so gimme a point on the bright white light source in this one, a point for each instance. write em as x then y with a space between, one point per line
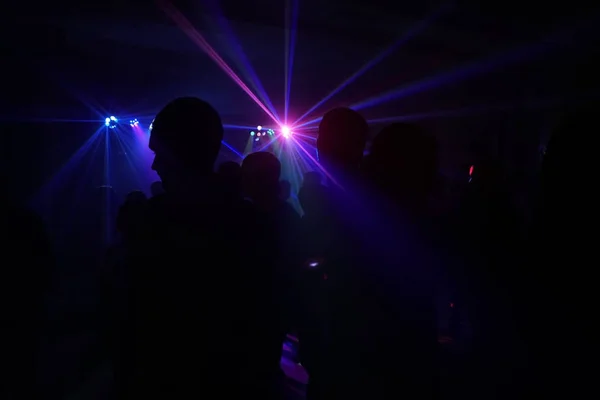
285 131
111 122
258 128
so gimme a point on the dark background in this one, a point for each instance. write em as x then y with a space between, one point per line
63 59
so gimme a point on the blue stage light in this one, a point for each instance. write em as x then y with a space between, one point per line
111 122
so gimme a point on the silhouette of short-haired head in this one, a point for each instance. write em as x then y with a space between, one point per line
313 200
156 188
260 175
186 138
403 161
342 138
285 190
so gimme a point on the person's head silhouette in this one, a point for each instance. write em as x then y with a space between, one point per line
260 176
342 139
186 138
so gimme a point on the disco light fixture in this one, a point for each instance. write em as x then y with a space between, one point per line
261 132
111 122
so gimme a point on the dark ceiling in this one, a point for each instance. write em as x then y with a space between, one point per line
66 58
128 55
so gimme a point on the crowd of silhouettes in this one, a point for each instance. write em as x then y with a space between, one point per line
203 280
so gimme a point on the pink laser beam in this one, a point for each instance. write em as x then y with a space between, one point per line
197 38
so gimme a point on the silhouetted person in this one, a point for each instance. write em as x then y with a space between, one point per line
156 188
488 236
130 219
332 316
341 141
562 299
94 227
311 195
136 196
117 275
260 173
230 175
198 285
403 165
26 269
285 190
260 176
